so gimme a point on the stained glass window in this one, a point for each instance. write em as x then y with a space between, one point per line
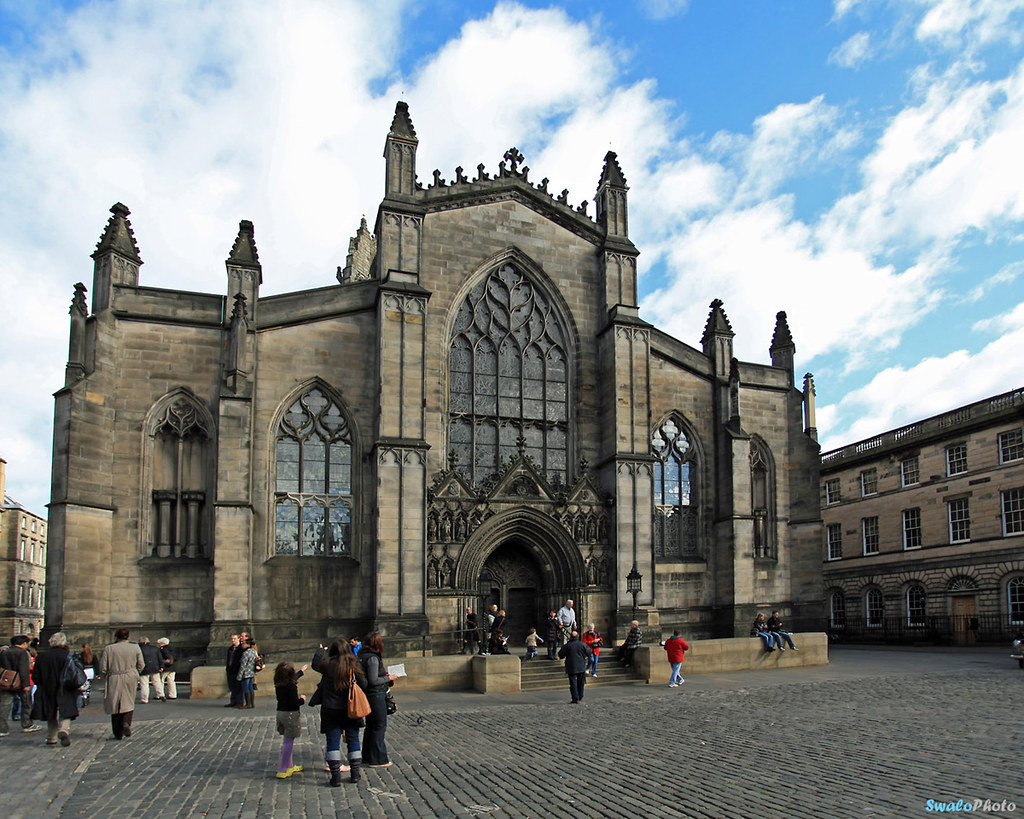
675 513
508 378
313 486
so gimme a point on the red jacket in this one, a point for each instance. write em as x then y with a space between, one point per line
676 648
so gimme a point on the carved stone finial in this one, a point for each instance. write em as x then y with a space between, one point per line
118 235
238 311
481 174
438 181
514 158
78 301
543 186
521 444
460 177
584 466
243 251
453 459
582 208
563 197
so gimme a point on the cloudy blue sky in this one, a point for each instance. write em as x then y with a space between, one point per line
855 163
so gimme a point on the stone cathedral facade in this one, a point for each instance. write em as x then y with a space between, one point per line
475 391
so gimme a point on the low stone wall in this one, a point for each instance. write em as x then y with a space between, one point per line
733 654
500 674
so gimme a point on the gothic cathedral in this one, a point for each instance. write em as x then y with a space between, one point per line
474 412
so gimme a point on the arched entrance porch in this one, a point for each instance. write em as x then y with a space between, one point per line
533 563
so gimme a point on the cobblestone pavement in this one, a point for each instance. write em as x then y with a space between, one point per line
875 733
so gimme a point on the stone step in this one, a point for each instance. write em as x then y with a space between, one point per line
546 675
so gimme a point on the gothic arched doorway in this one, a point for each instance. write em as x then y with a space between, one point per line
534 565
517 587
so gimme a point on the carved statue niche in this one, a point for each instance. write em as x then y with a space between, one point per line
591 529
433 574
432 527
446 528
460 527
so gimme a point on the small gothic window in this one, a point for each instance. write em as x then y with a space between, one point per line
181 453
675 511
761 503
313 483
508 378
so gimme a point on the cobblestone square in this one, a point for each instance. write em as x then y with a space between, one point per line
876 733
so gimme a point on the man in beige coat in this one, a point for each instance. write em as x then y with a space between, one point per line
122 664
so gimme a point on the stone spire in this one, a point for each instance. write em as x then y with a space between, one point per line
116 259
783 349
400 155
362 250
810 424
245 273
118 236
717 339
76 366
612 214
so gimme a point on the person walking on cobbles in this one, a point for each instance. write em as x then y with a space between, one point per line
338 671
122 663
53 702
289 723
760 629
232 662
634 640
551 635
775 627
577 656
167 668
16 658
150 671
676 647
594 641
371 658
247 674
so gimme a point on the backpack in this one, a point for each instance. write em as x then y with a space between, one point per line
73 677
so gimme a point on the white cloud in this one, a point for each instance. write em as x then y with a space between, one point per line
901 395
663 9
970 23
1008 322
854 52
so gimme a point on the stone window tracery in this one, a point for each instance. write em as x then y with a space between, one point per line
181 443
761 502
508 378
313 480
675 511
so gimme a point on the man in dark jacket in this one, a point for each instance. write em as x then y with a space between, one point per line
150 672
232 662
15 658
577 656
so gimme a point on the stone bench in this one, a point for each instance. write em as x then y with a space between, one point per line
500 673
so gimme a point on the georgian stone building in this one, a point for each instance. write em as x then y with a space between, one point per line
475 391
22 566
924 528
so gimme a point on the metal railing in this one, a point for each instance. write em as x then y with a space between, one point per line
942 629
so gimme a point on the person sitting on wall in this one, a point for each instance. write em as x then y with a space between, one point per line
775 627
760 629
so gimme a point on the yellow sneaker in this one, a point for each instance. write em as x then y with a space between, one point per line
296 769
285 774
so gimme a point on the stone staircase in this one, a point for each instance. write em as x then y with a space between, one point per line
542 674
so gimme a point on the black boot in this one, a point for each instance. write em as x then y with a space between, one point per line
335 766
354 764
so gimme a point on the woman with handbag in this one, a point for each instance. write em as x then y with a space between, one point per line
341 697
377 683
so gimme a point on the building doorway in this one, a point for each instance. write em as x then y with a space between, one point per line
519 588
965 620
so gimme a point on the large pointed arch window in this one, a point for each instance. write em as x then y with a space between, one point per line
675 476
313 482
508 378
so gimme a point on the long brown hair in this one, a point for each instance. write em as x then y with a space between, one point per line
374 642
345 664
284 674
